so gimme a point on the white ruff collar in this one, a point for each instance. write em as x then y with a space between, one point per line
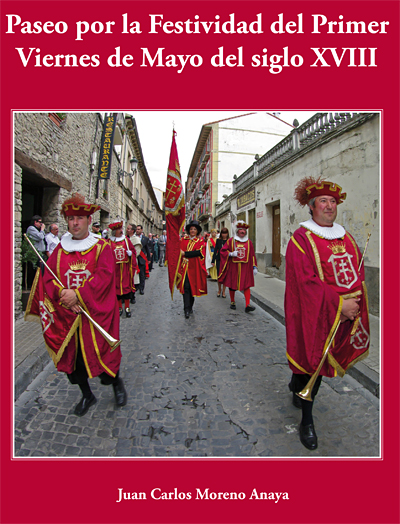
329 233
70 245
244 239
119 239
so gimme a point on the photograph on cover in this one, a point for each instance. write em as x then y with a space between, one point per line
184 280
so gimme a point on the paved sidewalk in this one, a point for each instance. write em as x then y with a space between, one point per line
31 356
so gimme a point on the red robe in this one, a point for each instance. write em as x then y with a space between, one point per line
193 267
237 272
92 274
319 274
126 266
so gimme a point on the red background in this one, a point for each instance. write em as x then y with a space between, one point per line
69 490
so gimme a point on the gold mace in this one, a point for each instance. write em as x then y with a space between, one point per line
305 393
114 343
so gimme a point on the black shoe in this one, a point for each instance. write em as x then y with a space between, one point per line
141 292
120 393
187 313
249 308
128 313
308 437
296 401
233 305
82 407
133 300
120 311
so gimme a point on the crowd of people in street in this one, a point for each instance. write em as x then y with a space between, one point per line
326 303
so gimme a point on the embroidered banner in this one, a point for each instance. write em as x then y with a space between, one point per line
174 213
106 148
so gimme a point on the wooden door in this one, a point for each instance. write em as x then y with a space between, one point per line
276 236
252 228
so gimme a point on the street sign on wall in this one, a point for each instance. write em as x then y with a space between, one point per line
247 198
107 141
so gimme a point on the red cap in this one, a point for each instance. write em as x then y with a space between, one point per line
116 225
309 188
76 206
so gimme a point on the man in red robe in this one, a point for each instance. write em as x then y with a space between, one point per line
238 265
126 266
325 290
85 266
191 279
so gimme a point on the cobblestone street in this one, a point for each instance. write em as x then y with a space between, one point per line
211 386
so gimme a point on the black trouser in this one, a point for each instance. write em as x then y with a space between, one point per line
188 298
142 277
80 375
299 382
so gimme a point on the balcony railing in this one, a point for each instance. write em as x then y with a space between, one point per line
125 179
205 179
312 130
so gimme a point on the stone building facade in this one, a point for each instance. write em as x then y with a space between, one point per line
225 148
341 147
139 203
57 154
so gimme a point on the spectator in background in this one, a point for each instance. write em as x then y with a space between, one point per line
96 229
36 233
144 258
151 248
155 239
130 230
162 244
52 239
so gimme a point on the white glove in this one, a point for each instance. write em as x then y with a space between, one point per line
129 252
255 271
233 254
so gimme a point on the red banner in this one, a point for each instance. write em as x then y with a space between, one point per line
174 212
58 323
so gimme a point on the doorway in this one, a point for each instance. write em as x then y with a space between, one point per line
276 236
252 226
32 199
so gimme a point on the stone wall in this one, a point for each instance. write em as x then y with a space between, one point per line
58 158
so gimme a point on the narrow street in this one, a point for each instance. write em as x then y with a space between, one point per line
211 386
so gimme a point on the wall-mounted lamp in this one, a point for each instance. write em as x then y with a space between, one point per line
93 160
134 163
